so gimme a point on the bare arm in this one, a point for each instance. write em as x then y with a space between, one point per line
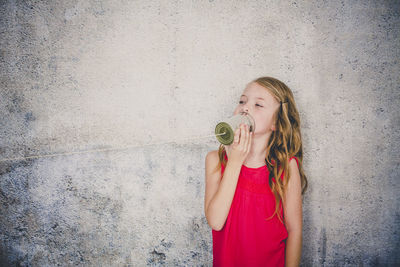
293 217
219 193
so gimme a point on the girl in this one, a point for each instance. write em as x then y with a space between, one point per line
243 203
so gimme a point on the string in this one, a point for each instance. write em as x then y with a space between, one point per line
105 149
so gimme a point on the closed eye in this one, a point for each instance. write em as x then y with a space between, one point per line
241 102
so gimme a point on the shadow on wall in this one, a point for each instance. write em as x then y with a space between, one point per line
11 257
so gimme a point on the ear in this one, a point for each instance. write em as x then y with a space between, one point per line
273 128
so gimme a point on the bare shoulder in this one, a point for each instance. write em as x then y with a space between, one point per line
294 163
213 154
294 171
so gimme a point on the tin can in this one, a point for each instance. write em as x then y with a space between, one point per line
225 130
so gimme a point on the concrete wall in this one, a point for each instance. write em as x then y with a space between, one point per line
79 75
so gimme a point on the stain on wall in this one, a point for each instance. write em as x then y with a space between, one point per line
92 75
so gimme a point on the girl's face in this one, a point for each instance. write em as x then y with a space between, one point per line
257 101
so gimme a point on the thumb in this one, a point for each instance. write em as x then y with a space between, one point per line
236 137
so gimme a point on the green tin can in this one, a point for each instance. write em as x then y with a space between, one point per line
225 130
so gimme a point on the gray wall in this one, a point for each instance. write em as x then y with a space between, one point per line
81 75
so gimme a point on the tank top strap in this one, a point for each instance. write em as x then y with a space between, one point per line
294 157
297 161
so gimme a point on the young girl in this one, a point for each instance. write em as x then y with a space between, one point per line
243 203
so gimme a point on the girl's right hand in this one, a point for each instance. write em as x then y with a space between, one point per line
240 148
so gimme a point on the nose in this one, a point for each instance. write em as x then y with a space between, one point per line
245 108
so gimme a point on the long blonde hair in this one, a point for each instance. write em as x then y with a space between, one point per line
285 142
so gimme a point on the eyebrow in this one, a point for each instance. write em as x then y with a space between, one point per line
257 97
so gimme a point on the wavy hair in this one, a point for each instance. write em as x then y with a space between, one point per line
285 142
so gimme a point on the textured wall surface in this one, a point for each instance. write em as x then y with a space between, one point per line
79 75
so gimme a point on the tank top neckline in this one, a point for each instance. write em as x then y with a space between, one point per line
249 168
254 169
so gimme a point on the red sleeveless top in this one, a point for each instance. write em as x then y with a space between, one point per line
247 238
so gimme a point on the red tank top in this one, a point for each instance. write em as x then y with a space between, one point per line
247 238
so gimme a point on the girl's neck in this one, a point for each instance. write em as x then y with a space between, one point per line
258 151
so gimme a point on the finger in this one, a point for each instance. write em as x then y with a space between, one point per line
236 137
250 141
248 138
242 135
246 143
